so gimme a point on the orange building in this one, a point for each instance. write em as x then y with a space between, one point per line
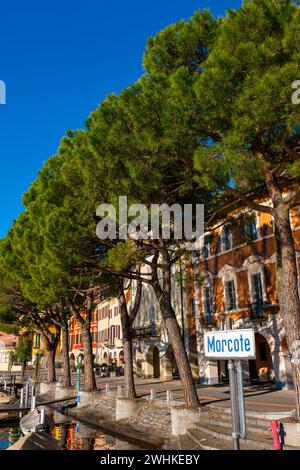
75 338
235 277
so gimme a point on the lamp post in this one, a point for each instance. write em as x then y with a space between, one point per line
78 379
181 302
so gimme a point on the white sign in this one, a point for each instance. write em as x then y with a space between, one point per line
231 344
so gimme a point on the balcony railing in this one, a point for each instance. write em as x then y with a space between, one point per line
145 332
257 310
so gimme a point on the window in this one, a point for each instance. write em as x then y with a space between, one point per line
226 238
37 341
230 296
207 300
193 307
250 227
257 288
206 249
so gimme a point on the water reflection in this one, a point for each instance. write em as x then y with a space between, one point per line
77 436
8 436
71 436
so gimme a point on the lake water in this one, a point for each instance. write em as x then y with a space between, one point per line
71 435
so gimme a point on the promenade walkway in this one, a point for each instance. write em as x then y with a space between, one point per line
257 398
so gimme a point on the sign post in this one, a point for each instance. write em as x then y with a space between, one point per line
233 345
78 379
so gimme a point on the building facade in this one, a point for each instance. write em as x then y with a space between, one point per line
106 335
109 333
75 339
8 344
235 277
152 351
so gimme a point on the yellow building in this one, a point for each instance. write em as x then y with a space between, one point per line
39 347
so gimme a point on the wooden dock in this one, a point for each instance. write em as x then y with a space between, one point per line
15 407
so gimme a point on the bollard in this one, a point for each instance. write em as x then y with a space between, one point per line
152 394
169 396
42 416
119 391
106 388
5 385
274 428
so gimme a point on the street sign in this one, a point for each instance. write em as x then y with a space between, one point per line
230 344
233 345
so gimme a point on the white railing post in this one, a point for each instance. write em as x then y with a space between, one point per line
42 416
32 408
22 398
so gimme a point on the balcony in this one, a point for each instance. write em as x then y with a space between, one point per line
257 310
145 332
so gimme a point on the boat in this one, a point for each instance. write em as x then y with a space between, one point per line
36 421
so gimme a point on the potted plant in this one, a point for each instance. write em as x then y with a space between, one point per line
112 369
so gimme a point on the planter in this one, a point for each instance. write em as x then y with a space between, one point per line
292 434
183 418
125 408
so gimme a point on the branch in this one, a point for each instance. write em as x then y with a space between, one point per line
291 199
76 313
244 198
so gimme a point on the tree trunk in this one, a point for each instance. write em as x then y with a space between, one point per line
287 284
65 355
169 317
180 354
127 319
89 375
127 345
129 379
50 354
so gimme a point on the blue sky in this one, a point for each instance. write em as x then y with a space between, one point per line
59 59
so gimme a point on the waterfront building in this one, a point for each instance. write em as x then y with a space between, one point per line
235 276
39 347
8 343
152 351
106 335
109 333
75 339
